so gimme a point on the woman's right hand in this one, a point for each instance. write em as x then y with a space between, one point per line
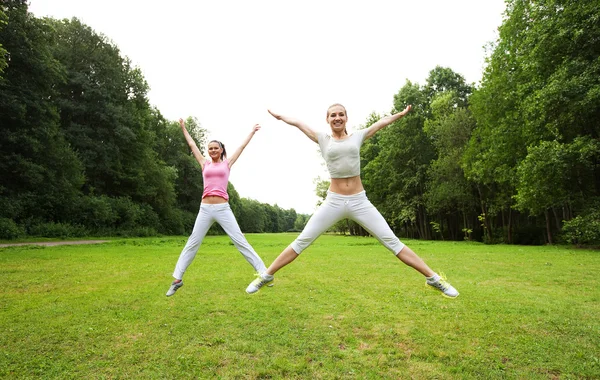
275 115
296 123
181 123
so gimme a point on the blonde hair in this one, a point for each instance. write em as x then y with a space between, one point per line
335 105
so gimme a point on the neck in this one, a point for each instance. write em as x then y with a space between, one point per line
338 135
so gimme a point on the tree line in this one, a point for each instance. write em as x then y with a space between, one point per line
515 159
83 152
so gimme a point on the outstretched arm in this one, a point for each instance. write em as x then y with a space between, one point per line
195 151
239 150
298 124
384 122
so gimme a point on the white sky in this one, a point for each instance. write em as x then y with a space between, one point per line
227 62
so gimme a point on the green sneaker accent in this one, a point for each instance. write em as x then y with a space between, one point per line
260 281
443 286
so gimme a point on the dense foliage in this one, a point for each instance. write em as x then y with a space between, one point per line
515 158
83 152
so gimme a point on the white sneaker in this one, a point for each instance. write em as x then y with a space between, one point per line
443 286
174 287
260 281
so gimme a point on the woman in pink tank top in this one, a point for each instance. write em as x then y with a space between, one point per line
214 206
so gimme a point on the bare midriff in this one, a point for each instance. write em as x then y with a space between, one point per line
346 186
213 200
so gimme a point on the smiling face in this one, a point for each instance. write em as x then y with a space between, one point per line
337 118
215 150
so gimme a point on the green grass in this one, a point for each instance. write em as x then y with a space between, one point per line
347 308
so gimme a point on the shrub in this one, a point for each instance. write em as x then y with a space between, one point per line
172 222
57 230
96 212
10 230
189 219
149 217
129 214
137 232
583 229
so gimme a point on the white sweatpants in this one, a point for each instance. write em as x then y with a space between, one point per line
208 215
356 207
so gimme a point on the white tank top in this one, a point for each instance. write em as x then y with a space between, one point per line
342 156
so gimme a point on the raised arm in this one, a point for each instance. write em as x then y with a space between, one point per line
298 124
239 150
385 121
195 151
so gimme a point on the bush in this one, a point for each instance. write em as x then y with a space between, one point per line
137 232
583 229
116 216
129 214
57 230
189 219
149 217
172 222
96 212
9 230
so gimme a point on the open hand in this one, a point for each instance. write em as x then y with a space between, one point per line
275 115
406 110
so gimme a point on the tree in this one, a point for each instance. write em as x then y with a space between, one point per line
556 175
40 175
252 217
444 79
106 117
3 52
541 84
175 152
449 195
300 222
395 178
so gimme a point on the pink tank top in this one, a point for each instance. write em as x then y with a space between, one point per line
216 177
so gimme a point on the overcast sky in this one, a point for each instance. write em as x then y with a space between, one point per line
227 62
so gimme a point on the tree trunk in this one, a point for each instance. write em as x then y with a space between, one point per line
510 237
556 219
486 222
426 227
549 233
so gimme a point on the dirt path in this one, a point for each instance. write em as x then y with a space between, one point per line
52 243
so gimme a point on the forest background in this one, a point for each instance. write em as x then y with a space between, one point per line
513 159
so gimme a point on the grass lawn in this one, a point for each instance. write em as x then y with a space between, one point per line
347 308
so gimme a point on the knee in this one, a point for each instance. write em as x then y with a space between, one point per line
299 245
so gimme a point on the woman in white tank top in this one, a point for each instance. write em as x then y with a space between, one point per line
346 198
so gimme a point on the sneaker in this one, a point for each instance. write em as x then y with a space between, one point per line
174 287
443 286
260 281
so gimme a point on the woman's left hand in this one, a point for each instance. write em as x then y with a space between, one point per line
406 110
